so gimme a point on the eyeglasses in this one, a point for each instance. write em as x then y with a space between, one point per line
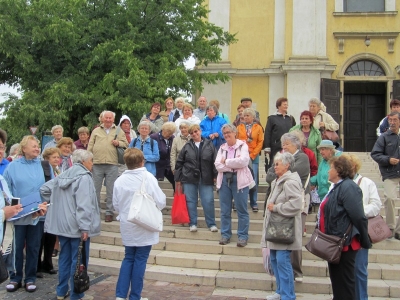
194 131
227 132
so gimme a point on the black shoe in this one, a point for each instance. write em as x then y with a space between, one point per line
51 272
39 274
397 236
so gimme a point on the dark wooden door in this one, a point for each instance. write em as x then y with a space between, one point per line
396 90
330 96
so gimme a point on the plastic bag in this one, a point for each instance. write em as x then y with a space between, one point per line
267 261
179 212
314 197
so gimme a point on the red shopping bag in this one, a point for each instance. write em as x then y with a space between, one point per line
179 212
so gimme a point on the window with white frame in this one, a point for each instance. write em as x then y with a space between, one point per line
363 5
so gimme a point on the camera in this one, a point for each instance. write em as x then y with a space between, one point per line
15 201
196 173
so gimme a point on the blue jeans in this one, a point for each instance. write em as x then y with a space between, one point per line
132 271
280 261
226 194
192 191
253 192
67 265
28 236
361 274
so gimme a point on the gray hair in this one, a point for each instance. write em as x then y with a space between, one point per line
316 101
145 123
300 135
229 127
249 111
292 138
213 107
109 111
185 123
179 99
80 156
14 149
169 126
56 127
286 158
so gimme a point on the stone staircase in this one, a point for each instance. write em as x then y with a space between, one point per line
197 258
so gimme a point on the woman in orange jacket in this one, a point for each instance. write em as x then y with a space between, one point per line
253 134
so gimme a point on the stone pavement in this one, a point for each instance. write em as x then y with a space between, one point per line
103 288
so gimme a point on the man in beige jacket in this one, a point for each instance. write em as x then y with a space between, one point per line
102 144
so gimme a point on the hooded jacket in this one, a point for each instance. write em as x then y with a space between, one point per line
74 208
214 125
132 132
286 195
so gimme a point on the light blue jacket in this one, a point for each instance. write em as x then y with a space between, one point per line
150 157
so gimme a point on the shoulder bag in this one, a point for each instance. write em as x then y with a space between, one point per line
120 150
144 211
328 134
279 229
328 247
377 227
81 277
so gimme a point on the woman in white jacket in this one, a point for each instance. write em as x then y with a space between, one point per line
372 205
136 239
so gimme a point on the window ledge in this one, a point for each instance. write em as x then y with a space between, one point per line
372 14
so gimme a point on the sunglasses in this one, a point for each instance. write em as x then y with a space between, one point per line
194 131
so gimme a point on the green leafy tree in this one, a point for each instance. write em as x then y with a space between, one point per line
75 58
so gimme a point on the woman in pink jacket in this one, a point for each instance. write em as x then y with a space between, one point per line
233 182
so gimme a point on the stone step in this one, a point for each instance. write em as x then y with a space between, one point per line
242 280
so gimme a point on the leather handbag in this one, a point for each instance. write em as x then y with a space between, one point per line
120 150
144 211
280 230
378 229
328 134
328 247
81 277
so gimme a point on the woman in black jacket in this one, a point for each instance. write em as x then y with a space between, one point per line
341 208
195 169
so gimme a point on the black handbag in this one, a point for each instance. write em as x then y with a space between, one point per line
280 231
81 278
3 269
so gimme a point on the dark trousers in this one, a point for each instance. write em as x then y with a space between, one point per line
46 247
342 276
170 177
272 155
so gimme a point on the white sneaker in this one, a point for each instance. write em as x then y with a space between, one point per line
119 298
214 229
275 296
141 298
298 279
193 228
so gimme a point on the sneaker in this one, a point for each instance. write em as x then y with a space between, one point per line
241 243
224 241
298 279
255 209
193 228
305 232
275 296
213 228
141 298
119 298
397 236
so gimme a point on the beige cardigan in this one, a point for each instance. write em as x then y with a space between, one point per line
176 147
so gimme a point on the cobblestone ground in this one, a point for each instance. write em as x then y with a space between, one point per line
103 288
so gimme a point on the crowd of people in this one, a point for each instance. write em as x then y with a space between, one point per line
195 150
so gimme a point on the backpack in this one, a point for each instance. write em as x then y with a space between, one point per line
151 144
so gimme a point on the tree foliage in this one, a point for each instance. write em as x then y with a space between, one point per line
75 58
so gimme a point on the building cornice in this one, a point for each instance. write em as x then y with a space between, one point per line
389 35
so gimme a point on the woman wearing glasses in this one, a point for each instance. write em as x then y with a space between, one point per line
195 169
233 182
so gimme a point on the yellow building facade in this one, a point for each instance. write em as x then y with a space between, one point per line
345 52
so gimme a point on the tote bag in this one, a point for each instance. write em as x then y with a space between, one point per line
179 212
144 211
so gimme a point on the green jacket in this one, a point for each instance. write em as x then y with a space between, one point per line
313 141
321 179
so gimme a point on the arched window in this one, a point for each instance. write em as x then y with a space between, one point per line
364 68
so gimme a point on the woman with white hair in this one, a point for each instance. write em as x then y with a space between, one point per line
177 112
73 216
57 132
321 117
148 146
14 150
284 203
